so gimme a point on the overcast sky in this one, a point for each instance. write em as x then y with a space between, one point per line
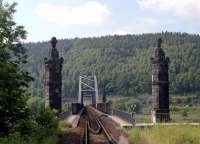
84 18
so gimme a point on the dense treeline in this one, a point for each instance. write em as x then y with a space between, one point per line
121 63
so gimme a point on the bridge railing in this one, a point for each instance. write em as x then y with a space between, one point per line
175 117
65 114
129 117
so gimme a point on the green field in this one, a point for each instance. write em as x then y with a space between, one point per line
165 135
190 115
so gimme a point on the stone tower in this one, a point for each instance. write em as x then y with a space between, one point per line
53 78
160 85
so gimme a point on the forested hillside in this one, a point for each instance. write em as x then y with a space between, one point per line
121 63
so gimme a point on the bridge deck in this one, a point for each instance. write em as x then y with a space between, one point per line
121 122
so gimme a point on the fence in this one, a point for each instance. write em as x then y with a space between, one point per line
65 114
175 117
129 117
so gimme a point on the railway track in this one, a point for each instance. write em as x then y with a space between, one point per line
97 128
100 136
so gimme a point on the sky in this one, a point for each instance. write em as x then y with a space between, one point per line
87 18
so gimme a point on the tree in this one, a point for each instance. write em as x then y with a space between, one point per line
13 78
121 63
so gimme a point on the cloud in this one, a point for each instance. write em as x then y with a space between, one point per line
88 14
139 26
121 32
183 8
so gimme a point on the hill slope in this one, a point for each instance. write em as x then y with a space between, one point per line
121 63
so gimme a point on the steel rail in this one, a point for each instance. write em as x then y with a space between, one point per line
86 134
79 115
92 130
111 139
101 127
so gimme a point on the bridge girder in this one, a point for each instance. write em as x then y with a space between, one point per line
88 90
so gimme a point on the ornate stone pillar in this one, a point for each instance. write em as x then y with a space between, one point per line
53 78
160 85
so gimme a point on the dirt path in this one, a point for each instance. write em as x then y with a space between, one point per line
72 136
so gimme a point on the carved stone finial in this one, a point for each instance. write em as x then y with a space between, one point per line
53 42
159 42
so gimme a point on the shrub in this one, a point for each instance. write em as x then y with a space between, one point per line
41 128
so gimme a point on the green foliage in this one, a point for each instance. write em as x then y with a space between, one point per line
66 106
12 139
36 104
20 123
48 121
121 63
42 128
63 125
185 114
13 78
47 125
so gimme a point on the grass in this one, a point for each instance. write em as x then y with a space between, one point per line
63 125
165 135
